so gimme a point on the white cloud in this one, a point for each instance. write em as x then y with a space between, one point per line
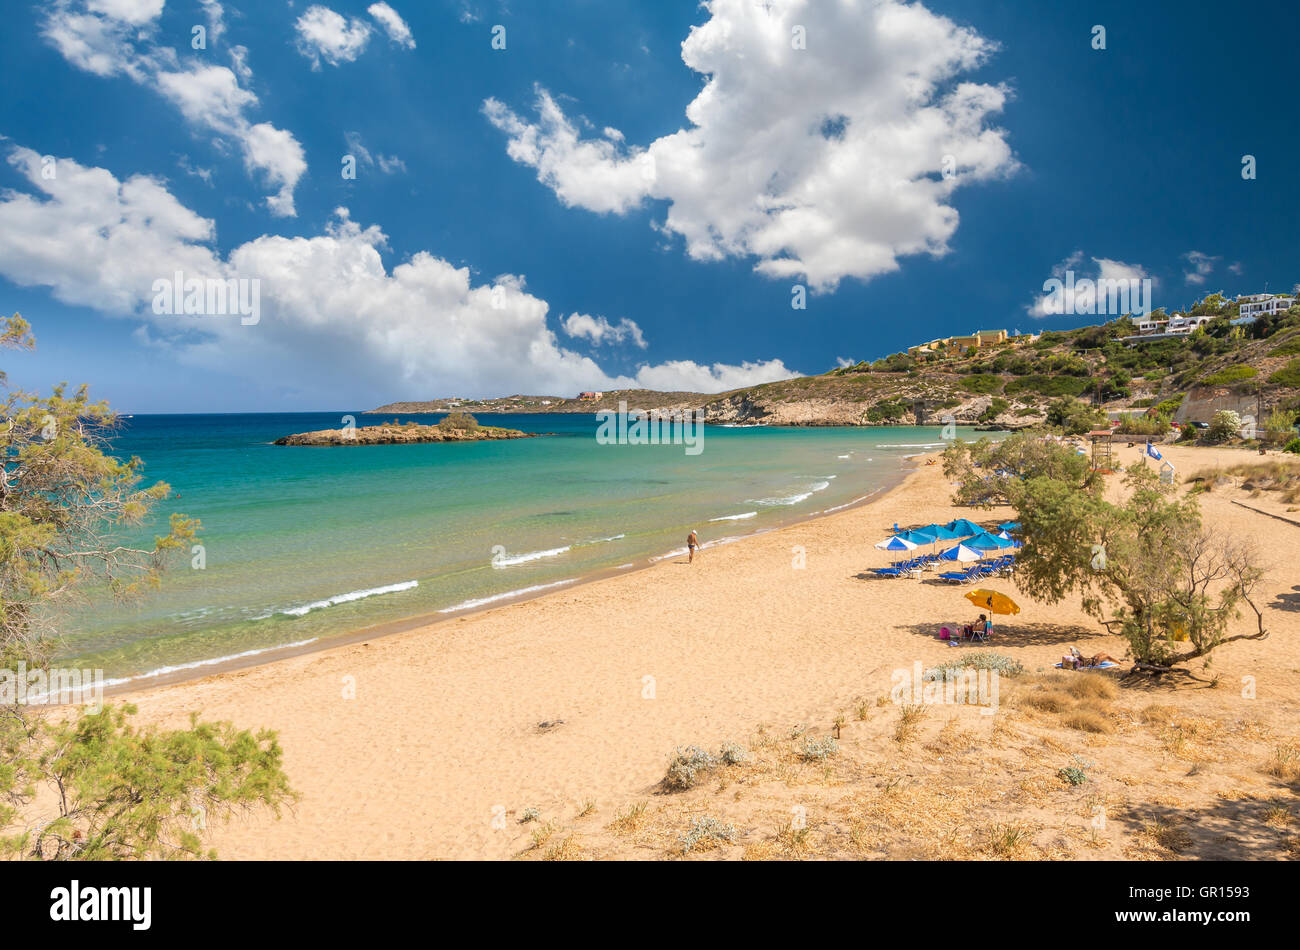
689 376
326 35
825 162
599 330
388 164
1079 295
330 308
239 62
393 24
1202 266
216 19
134 12
112 37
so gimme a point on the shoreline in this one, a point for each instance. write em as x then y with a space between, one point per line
220 666
423 744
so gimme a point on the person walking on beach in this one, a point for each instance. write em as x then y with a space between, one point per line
692 542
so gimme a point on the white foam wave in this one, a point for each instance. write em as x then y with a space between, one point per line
480 601
530 556
346 598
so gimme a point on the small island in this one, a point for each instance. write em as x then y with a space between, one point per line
456 427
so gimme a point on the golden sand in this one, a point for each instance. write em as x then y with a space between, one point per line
427 743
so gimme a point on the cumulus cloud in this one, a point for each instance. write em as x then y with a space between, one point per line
599 330
329 36
823 162
1202 266
1072 288
330 309
393 24
115 37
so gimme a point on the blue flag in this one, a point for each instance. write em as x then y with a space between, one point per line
1153 451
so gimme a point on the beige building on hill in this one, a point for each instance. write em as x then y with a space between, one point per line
958 344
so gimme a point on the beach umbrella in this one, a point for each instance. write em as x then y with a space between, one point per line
961 553
1008 541
992 601
964 528
1009 526
984 542
896 543
918 536
941 532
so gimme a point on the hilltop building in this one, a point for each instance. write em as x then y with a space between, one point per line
957 344
1259 305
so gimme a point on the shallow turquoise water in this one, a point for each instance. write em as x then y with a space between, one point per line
304 543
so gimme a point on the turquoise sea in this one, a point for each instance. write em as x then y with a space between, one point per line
301 544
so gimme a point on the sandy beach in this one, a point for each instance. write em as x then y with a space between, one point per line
427 743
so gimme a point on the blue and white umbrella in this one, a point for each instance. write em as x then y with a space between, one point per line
961 553
896 543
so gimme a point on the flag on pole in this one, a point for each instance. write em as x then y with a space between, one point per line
1153 452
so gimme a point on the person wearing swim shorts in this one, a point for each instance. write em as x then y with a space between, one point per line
692 542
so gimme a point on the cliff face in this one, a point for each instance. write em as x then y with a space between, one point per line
398 435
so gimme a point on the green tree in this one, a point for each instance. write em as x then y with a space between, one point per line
1144 565
89 785
458 420
984 471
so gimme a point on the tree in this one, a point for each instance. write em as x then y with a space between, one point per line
985 470
63 506
1224 425
120 792
1073 417
1144 565
68 511
458 420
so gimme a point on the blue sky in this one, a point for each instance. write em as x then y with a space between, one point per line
609 236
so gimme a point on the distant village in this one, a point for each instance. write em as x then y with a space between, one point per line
1250 308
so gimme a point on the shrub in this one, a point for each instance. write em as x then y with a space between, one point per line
1073 774
1293 446
1225 425
458 420
1229 375
732 753
1004 665
1141 425
995 409
1288 375
687 767
818 750
1047 385
706 833
981 383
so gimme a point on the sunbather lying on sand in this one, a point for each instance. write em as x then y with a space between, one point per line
1078 661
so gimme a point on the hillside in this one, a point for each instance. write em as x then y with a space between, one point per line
1252 369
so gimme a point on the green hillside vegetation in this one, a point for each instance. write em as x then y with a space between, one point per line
1017 383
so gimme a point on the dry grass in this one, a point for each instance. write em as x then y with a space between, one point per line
909 722
566 850
1009 842
1285 763
1086 721
1161 839
629 819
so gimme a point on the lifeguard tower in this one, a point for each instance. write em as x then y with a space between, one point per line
1103 451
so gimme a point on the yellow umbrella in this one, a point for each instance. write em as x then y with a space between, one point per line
992 601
